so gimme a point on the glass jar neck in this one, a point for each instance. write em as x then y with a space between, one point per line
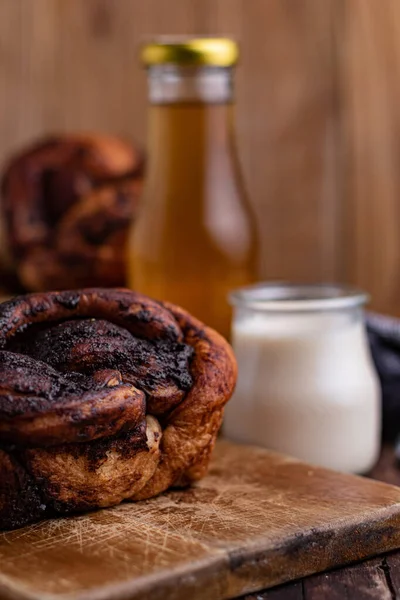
287 298
170 84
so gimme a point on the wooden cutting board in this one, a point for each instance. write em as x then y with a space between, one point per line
258 519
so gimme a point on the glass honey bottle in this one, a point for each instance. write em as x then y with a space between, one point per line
195 238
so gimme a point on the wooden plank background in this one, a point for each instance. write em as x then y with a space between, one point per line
318 112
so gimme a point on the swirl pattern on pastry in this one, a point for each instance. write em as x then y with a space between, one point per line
105 396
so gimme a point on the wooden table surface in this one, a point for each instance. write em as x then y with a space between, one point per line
374 579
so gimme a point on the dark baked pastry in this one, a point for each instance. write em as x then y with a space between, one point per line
105 396
67 203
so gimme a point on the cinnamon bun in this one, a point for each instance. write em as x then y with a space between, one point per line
105 396
67 203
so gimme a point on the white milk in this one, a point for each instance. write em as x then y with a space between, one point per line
306 387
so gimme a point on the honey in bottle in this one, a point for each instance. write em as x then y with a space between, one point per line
194 239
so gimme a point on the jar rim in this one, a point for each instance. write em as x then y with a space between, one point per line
282 296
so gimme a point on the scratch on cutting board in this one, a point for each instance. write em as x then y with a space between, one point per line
170 517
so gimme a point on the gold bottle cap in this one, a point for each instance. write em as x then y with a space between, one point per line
216 52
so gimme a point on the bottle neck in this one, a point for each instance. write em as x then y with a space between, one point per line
175 84
190 122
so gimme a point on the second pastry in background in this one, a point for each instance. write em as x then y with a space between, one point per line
67 202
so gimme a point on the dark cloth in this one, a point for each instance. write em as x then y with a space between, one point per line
384 339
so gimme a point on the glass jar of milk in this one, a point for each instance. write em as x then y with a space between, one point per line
307 385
